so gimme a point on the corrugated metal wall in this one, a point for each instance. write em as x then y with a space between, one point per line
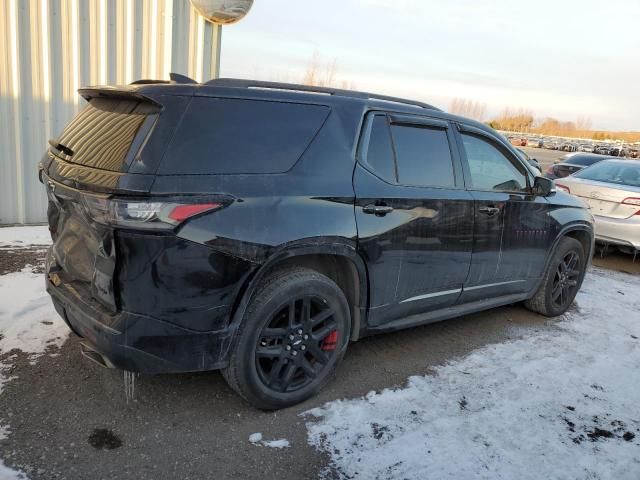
50 48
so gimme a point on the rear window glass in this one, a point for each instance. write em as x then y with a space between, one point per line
618 172
423 156
584 161
101 135
227 136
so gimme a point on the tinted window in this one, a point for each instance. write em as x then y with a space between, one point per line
490 169
423 156
101 135
621 173
220 135
380 151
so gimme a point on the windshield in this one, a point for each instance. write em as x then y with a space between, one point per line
618 172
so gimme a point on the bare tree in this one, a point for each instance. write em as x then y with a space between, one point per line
468 108
325 74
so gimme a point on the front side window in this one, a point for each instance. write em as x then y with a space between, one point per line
490 169
423 156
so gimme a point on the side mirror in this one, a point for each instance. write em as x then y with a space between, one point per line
543 187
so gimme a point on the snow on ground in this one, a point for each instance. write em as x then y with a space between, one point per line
563 404
28 321
22 237
8 474
256 439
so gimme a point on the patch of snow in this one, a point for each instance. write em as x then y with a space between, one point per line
22 237
8 474
282 443
561 403
4 431
256 439
28 321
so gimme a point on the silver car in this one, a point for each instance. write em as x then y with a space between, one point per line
611 188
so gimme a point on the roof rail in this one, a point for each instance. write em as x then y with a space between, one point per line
173 78
294 87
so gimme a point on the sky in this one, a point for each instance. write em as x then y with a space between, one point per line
562 58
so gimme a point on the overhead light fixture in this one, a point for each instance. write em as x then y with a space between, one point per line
222 12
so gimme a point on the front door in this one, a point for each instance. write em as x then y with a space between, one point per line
511 227
414 217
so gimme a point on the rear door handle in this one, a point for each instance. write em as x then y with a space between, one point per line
379 210
490 211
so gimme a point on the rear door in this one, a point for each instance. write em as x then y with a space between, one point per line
511 226
414 217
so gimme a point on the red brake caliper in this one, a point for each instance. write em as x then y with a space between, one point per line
330 341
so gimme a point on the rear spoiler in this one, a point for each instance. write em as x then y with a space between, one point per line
116 92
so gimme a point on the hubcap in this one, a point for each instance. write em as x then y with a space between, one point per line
565 282
297 344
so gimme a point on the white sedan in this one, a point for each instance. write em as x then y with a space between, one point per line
611 188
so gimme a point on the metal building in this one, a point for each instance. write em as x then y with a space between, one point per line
50 48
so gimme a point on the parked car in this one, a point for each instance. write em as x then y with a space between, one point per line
618 151
586 148
602 150
518 141
571 164
569 147
612 190
259 228
531 161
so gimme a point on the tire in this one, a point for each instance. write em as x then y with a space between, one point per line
561 280
280 359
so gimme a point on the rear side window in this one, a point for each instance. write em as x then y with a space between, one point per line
380 152
423 156
101 135
227 136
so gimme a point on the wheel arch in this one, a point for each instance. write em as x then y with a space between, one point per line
583 232
337 260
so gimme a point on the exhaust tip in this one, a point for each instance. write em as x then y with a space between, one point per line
94 356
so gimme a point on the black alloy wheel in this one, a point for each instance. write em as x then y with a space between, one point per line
562 279
565 282
293 334
296 344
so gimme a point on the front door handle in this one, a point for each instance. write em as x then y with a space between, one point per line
490 211
378 210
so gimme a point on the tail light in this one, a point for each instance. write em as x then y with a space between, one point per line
564 188
148 214
632 201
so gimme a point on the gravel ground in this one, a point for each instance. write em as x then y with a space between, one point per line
69 418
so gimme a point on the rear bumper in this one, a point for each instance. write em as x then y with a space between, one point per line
140 343
618 231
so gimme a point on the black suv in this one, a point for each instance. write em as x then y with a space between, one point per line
258 228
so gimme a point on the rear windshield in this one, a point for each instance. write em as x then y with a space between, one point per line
584 161
618 172
227 136
100 136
